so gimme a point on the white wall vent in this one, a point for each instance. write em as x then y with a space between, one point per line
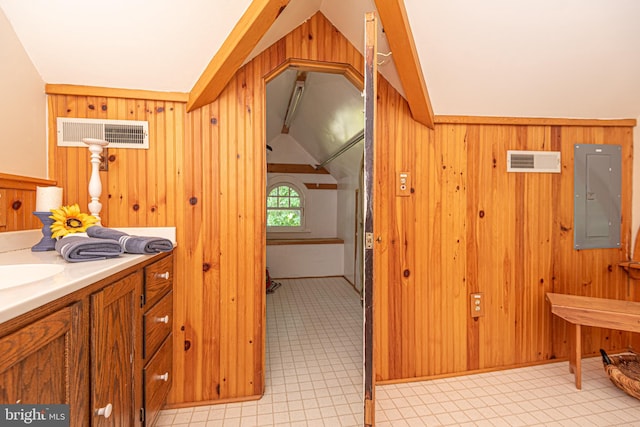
533 161
119 133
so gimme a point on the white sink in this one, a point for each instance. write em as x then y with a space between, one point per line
21 274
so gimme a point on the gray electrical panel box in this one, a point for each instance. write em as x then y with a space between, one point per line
597 196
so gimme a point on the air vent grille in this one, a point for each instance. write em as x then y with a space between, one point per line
522 161
125 134
119 133
533 161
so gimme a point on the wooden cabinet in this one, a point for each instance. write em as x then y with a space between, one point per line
157 349
115 314
45 362
105 350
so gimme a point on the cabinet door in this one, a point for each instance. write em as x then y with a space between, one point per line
115 320
44 363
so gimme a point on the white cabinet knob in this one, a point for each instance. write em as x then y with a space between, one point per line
106 411
163 377
164 275
164 319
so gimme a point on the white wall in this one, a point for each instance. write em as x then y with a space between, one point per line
285 149
347 224
23 122
287 261
320 205
321 220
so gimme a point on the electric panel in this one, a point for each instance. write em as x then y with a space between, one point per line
597 195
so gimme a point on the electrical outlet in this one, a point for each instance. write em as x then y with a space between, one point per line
476 304
403 185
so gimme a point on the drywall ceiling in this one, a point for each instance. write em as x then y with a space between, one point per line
544 58
330 113
554 58
162 45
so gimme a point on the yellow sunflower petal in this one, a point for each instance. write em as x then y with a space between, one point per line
74 210
69 219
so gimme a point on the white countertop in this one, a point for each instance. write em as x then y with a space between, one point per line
15 248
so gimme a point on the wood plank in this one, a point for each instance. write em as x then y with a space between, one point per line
4 203
18 182
370 250
398 32
532 121
631 267
255 309
77 90
599 312
319 186
347 70
253 24
294 168
314 241
211 252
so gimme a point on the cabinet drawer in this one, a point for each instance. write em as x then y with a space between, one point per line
157 325
157 377
158 278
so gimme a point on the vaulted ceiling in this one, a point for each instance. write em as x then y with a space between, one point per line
567 58
542 58
328 119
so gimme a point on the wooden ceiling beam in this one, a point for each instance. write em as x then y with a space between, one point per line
396 27
255 22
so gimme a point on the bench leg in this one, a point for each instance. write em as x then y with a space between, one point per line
575 353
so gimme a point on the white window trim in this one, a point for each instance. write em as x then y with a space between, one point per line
300 188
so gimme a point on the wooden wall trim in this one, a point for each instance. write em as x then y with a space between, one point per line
347 70
18 182
318 186
398 31
255 22
310 241
58 89
532 121
294 168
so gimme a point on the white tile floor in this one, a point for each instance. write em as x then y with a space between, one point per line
314 378
314 362
542 395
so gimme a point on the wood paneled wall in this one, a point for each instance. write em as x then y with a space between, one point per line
204 173
472 227
18 201
468 227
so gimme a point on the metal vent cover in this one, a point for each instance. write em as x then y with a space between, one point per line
533 161
119 133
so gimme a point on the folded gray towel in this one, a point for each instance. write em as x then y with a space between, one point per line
132 244
80 248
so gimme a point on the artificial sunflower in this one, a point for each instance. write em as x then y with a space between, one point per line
69 219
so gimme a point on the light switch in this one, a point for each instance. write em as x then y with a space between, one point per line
403 185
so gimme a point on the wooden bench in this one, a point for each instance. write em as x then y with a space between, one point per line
588 311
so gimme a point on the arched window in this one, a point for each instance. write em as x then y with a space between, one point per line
285 207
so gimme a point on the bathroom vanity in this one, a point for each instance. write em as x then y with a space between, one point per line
97 336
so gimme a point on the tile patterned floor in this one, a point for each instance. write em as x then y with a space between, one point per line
314 378
542 395
314 362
